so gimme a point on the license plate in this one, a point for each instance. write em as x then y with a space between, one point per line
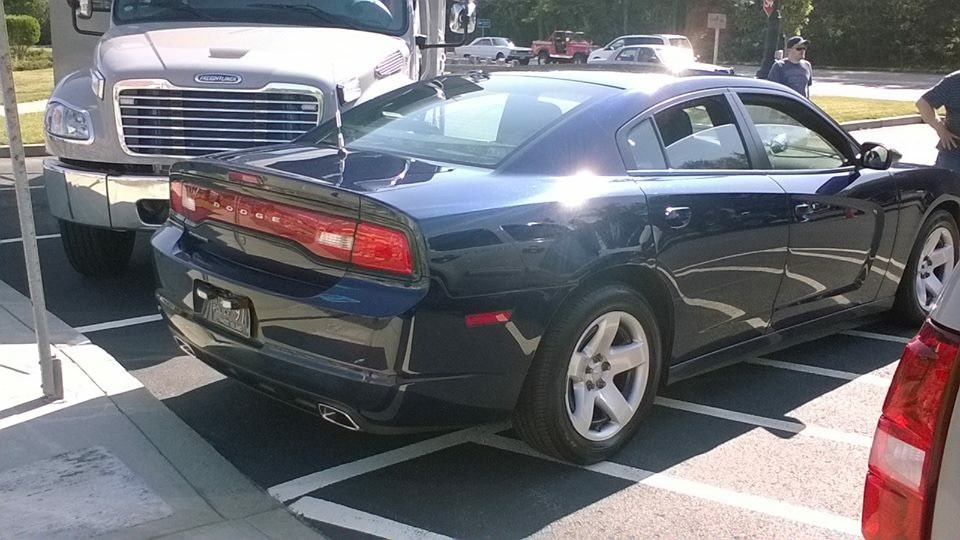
225 310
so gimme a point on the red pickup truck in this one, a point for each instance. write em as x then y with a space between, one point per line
563 46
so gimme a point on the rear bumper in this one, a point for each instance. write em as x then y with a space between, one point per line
99 199
388 373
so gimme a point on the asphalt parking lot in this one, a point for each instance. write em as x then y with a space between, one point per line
773 447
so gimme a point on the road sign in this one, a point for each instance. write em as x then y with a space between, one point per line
484 24
768 7
717 21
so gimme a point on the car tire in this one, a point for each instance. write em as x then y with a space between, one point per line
96 252
564 410
500 57
525 62
927 267
543 57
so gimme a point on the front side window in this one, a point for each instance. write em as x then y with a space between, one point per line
627 55
500 42
791 134
384 16
702 135
464 120
644 41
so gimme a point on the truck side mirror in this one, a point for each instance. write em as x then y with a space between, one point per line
463 17
83 9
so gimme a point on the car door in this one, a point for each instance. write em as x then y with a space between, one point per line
721 228
844 217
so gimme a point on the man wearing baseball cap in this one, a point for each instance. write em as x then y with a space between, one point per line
794 71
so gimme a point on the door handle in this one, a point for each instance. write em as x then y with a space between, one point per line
804 211
677 217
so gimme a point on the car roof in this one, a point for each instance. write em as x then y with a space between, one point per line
648 83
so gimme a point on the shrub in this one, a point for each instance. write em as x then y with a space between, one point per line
24 32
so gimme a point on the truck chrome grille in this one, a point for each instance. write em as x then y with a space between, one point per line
187 123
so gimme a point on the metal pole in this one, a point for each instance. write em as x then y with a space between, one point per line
716 44
771 41
50 373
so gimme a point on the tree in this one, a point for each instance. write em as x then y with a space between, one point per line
38 9
796 15
24 32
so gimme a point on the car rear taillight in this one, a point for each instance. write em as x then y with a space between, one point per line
908 445
337 238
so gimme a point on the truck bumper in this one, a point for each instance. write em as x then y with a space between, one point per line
106 200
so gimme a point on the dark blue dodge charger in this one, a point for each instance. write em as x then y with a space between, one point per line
553 246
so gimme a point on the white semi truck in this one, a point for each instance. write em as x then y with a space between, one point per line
142 84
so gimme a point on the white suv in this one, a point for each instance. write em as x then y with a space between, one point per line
669 40
913 483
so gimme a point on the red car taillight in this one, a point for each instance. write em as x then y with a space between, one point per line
908 446
332 237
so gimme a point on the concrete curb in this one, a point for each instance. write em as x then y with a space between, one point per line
231 495
883 122
31 150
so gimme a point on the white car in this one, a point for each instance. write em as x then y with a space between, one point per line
669 40
670 59
494 48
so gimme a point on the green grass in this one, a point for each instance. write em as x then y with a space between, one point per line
844 109
31 126
33 85
36 58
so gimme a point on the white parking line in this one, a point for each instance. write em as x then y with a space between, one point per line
18 240
874 335
770 423
762 505
312 482
348 518
875 380
118 324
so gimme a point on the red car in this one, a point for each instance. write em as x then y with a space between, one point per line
563 46
913 484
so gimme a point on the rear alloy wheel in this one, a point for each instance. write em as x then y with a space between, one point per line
607 376
930 266
594 378
96 252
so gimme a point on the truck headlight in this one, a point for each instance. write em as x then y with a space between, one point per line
66 122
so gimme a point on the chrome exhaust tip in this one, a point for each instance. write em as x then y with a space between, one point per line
337 417
185 347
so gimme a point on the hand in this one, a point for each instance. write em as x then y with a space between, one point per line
948 140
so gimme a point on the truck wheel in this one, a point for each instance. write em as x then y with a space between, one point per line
543 57
96 252
594 377
579 59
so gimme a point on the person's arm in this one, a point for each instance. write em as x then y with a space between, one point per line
948 140
775 74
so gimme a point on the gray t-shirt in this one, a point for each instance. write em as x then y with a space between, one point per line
797 76
947 94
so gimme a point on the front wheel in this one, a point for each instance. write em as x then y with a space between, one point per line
96 252
594 377
579 59
932 262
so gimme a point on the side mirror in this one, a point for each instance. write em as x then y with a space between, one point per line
779 144
463 17
876 156
82 8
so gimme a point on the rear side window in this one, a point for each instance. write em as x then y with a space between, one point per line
645 148
702 135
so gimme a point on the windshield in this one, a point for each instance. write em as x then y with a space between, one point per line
681 42
469 121
385 16
676 55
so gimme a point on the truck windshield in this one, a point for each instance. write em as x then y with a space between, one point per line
474 121
384 16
